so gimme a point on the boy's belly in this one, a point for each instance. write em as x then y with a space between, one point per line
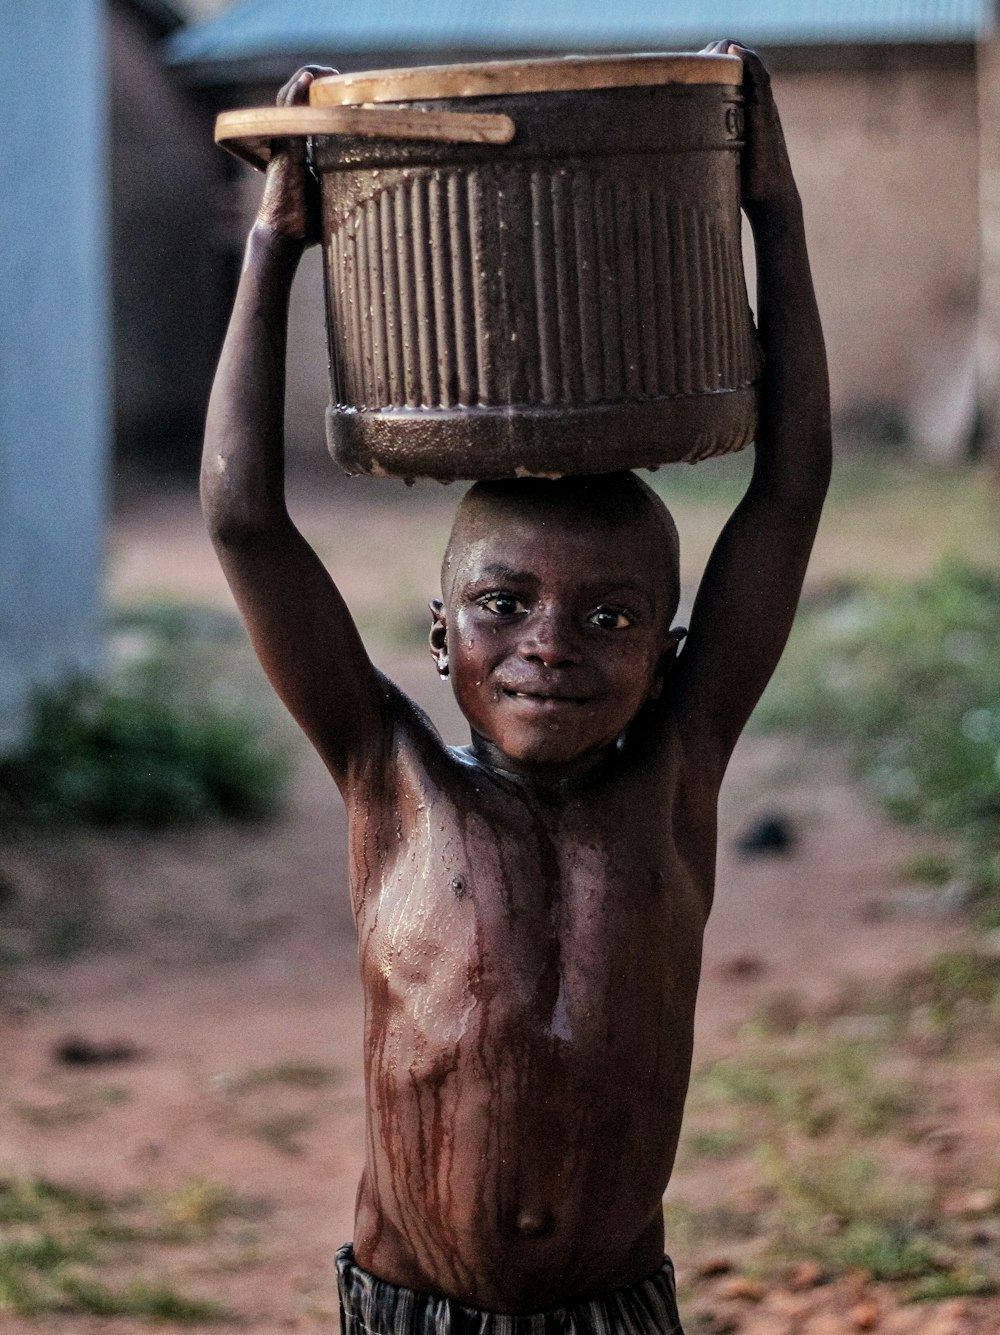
520 1159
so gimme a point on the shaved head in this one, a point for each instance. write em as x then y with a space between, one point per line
607 501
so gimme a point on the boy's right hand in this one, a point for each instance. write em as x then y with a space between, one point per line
290 206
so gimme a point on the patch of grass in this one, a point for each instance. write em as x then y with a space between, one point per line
277 1104
43 1251
891 1252
782 1013
928 869
33 1200
957 1283
813 1089
953 996
294 1074
715 1142
846 1212
55 1239
688 1228
69 926
282 1131
957 993
199 1206
81 1107
907 677
829 1201
960 975
163 737
789 1111
159 1302
869 1101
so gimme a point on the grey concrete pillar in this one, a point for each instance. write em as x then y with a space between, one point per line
54 345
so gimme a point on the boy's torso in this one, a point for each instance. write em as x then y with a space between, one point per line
530 963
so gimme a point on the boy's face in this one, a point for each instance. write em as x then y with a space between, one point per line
555 635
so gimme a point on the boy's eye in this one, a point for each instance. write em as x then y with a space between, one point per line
502 604
610 618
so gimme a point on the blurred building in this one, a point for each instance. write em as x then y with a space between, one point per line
172 274
880 103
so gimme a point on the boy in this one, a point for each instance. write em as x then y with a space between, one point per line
530 908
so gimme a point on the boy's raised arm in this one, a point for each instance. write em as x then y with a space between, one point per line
299 624
748 595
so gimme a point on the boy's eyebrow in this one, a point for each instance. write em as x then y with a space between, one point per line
502 572
499 573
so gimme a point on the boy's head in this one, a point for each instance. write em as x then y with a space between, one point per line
555 623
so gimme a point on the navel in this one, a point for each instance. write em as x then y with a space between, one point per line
536 1223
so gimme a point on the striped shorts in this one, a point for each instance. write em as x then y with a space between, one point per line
370 1306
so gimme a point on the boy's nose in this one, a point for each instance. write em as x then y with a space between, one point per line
550 639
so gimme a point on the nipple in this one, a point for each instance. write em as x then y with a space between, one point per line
536 1223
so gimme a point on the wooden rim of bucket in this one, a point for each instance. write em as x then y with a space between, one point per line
497 77
248 133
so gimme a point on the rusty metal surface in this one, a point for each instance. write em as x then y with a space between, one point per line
481 442
573 301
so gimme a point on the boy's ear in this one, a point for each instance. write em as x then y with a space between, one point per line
439 636
665 666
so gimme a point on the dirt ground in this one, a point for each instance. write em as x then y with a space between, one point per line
226 971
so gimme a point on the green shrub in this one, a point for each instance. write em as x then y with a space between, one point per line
153 745
908 677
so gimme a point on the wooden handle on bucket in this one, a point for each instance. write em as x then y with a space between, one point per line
249 133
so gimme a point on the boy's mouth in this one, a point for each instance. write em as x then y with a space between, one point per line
543 698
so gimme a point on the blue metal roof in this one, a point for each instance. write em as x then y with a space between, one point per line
261 28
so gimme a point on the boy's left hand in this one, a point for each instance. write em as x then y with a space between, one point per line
767 173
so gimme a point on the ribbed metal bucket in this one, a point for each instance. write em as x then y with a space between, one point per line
572 301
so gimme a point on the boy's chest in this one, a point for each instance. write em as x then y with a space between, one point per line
547 906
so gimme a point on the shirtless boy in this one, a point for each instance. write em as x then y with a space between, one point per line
530 908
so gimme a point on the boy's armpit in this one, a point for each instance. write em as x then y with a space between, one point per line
395 757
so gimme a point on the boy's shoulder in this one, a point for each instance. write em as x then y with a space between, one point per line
410 752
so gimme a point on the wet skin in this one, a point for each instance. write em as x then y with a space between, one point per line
530 909
530 935
530 963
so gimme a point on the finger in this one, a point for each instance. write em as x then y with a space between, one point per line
755 73
727 47
296 90
286 89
